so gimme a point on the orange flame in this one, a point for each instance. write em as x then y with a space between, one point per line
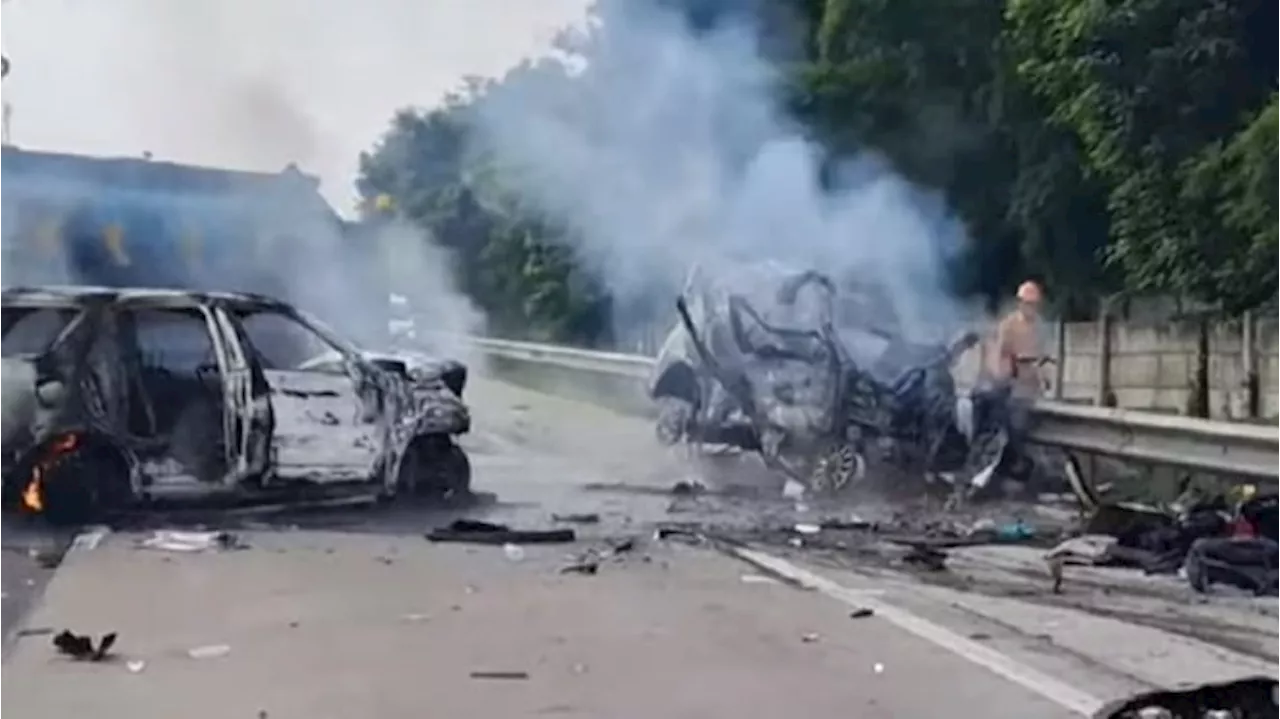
32 496
33 493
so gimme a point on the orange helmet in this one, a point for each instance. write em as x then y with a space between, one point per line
1029 291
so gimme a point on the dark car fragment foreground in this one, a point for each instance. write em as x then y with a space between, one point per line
114 397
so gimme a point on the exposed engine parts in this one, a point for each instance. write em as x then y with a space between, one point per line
761 362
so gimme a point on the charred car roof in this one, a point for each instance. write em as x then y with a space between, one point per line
85 296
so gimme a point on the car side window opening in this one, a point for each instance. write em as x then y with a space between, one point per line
175 363
282 342
29 332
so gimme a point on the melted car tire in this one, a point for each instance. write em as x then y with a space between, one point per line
435 468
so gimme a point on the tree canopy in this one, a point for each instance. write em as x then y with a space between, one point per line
1102 146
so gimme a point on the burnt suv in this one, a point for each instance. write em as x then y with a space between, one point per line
115 397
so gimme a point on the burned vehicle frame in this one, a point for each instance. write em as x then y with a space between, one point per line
114 397
789 388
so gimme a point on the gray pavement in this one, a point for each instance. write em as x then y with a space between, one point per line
358 615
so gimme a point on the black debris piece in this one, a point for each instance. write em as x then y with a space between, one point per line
499 675
582 518
684 533
477 532
1249 698
623 546
687 489
926 557
35 632
586 566
862 613
81 647
1246 563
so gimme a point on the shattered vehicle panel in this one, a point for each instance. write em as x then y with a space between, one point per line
759 363
147 394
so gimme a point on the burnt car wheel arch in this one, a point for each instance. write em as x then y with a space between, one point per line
71 478
433 466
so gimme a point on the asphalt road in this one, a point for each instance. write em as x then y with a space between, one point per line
356 614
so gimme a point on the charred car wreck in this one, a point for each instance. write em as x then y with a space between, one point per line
118 396
775 374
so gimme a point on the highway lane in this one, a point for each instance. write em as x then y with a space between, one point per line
357 615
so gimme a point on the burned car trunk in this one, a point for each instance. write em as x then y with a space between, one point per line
757 362
117 396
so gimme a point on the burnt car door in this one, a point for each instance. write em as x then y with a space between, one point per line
327 420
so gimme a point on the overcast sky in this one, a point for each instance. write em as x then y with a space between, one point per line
252 84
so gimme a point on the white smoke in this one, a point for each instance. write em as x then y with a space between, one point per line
662 147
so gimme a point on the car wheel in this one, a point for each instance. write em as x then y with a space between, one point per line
836 469
84 485
674 417
435 468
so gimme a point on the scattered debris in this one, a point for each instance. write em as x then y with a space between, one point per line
477 532
135 666
581 518
809 529
415 617
385 560
682 533
792 489
35 632
499 675
1250 697
980 637
623 546
809 637
925 557
688 489
170 540
1245 563
583 566
89 539
513 552
81 647
878 668
1055 572
862 613
758 579
209 651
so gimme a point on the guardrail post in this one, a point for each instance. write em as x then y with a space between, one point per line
1059 360
1104 397
1249 362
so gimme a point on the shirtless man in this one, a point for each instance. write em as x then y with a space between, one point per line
1016 357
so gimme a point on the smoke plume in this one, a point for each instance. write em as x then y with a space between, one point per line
662 145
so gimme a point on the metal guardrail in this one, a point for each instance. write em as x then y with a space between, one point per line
1243 450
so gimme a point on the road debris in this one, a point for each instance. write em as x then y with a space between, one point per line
809 529
171 540
758 579
809 637
209 651
478 532
1249 697
513 552
135 666
89 539
878 668
499 675
81 646
35 632
579 518
582 566
862 613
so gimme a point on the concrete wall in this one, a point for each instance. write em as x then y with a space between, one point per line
1152 366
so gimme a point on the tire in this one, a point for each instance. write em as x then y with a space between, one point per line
674 417
435 468
85 485
836 469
